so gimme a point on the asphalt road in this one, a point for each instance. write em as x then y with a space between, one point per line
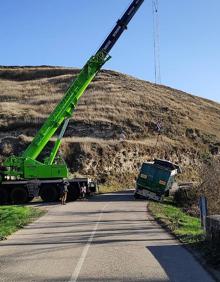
108 238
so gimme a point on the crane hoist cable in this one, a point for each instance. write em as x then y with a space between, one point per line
156 38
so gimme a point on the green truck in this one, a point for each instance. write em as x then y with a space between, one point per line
155 179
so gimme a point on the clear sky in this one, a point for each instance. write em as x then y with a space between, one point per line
68 32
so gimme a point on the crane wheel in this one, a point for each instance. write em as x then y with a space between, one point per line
49 194
3 196
19 195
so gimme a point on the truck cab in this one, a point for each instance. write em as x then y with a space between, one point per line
155 179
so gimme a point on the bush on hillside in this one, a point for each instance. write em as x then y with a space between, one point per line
210 186
187 196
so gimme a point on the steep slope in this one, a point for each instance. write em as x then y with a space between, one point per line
113 103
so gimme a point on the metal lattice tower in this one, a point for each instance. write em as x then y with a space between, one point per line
156 38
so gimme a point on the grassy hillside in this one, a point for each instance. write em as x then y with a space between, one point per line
112 103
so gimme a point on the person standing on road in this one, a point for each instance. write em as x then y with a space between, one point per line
83 191
64 191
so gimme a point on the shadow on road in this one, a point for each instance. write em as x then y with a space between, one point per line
120 196
178 263
113 197
80 241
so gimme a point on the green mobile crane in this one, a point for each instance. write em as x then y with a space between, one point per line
24 177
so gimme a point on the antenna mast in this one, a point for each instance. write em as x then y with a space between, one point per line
156 36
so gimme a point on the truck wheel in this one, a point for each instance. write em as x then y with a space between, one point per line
19 195
73 193
136 196
49 194
30 199
3 196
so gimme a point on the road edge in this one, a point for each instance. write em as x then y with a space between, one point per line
214 274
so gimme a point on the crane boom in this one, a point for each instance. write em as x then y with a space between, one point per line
26 165
120 26
66 106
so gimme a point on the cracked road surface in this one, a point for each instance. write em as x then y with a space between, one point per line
111 237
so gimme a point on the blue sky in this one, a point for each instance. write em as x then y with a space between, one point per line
68 32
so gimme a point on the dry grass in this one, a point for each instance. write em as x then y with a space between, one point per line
113 102
111 98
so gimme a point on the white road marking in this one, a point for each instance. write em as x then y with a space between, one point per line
81 260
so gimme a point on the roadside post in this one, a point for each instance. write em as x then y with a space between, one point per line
203 211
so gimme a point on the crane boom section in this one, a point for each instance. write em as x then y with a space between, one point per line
120 26
66 106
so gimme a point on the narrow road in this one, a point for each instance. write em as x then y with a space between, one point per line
108 238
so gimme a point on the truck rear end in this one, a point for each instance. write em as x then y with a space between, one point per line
155 179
